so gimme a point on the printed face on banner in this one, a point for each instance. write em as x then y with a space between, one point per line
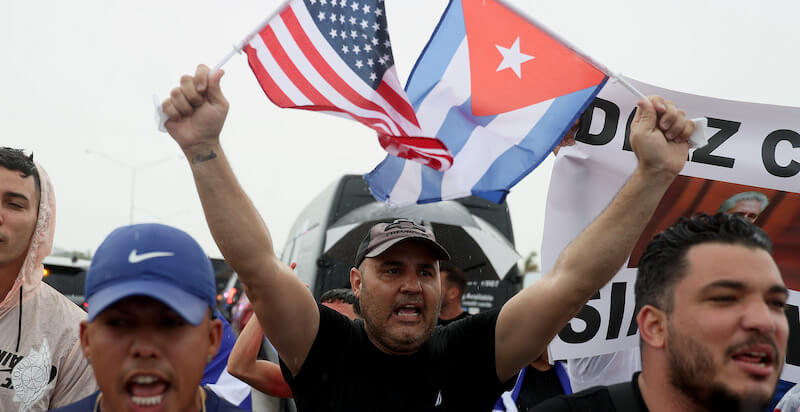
746 208
780 218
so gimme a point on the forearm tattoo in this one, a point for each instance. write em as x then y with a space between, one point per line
202 158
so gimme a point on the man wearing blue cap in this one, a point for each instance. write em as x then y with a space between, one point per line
150 329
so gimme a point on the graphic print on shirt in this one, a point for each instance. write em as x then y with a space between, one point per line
31 375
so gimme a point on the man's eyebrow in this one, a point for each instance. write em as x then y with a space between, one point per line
724 283
779 289
17 195
391 263
733 284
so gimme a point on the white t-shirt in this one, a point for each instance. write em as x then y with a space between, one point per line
603 370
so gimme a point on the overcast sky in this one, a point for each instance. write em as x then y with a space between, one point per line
78 76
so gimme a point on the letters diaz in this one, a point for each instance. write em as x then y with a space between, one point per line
726 129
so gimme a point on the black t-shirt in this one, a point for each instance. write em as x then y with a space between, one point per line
537 387
443 322
598 398
344 371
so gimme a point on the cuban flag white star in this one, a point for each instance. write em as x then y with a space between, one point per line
513 58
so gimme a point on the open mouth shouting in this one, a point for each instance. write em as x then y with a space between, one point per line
408 312
757 360
146 392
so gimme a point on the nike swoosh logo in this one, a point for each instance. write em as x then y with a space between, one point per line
134 258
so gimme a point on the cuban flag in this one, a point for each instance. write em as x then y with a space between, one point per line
216 376
499 92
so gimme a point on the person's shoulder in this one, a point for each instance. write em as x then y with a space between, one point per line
56 303
54 317
330 318
593 399
477 320
445 322
85 404
214 403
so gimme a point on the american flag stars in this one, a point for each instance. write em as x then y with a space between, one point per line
335 56
356 30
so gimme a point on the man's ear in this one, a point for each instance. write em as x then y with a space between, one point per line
451 294
214 336
652 326
355 282
84 338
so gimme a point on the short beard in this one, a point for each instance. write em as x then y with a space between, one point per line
691 370
409 344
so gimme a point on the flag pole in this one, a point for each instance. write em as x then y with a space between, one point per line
161 117
599 66
237 47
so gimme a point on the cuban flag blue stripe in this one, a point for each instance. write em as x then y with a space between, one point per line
382 179
437 54
455 132
459 125
520 160
435 58
431 186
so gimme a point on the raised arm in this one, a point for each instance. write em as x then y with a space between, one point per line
286 310
533 317
243 363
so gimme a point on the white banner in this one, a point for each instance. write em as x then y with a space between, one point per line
755 147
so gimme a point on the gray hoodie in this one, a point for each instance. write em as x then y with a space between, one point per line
41 363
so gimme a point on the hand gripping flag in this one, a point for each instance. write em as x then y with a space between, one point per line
499 92
335 56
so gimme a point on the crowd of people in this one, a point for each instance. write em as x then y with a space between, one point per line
709 304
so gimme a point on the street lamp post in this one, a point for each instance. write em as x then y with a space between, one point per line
133 170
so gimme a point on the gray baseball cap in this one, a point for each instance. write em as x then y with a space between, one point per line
382 236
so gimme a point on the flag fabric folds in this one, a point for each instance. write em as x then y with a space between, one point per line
499 92
335 56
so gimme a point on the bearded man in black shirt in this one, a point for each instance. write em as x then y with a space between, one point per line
394 360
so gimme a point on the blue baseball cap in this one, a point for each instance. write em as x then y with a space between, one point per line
153 260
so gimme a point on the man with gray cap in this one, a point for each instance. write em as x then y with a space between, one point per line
395 360
150 329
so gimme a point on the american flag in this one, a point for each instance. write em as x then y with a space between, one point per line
335 56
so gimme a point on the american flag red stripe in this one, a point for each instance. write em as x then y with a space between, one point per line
312 92
298 67
324 69
300 31
318 100
273 92
400 103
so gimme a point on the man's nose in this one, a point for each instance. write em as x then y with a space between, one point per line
759 317
411 284
144 345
